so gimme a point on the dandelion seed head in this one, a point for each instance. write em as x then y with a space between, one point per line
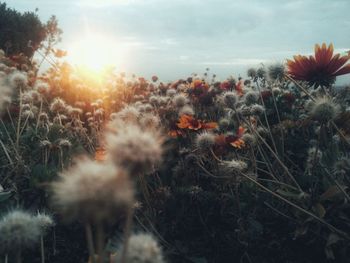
150 121
249 139
42 87
180 100
251 97
154 100
324 109
28 114
58 105
134 149
224 123
171 92
251 73
18 80
45 221
148 108
261 73
18 230
205 141
276 72
92 192
257 109
230 98
129 114
143 248
186 110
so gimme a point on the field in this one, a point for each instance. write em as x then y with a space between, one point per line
115 168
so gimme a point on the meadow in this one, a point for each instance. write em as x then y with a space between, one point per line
115 168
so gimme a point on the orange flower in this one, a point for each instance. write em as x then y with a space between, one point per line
236 140
189 122
100 154
239 143
321 69
222 140
239 88
197 83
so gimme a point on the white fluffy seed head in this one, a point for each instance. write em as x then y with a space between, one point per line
249 139
45 221
205 141
186 110
58 105
230 98
251 97
93 192
170 92
134 149
18 230
257 109
324 109
143 248
180 100
129 114
18 80
149 121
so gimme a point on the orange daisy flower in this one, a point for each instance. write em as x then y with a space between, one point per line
189 122
197 84
321 69
233 140
236 141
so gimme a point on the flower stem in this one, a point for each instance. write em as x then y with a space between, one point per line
42 249
90 242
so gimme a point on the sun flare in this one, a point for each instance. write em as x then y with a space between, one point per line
96 52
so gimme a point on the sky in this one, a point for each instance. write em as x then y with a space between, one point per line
174 38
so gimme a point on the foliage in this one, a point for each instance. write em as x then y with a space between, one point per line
20 33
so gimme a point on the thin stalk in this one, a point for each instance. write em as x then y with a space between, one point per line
127 232
279 121
40 110
90 242
279 161
12 123
42 249
6 152
265 117
19 118
100 236
296 206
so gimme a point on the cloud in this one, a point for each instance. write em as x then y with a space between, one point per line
102 4
184 35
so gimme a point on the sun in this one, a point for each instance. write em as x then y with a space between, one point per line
96 52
